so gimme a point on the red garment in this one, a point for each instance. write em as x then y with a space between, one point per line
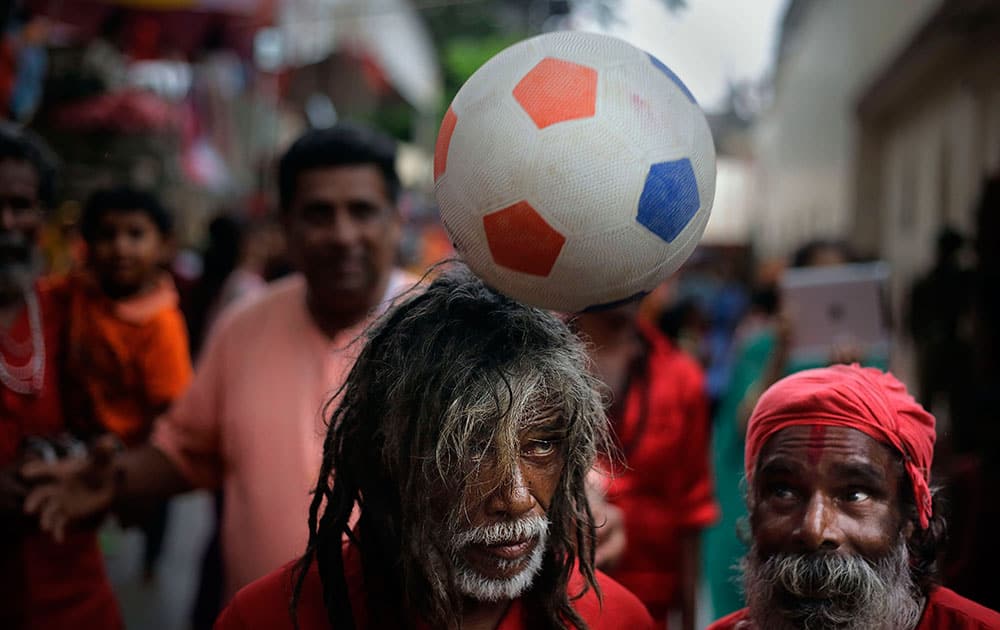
44 584
264 603
945 610
665 488
865 399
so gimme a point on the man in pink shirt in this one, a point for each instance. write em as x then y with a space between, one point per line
251 422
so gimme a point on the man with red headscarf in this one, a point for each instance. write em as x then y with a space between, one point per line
843 524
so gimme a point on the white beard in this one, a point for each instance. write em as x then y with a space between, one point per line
486 589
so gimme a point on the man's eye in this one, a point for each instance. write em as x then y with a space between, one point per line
781 492
539 448
316 213
856 495
365 211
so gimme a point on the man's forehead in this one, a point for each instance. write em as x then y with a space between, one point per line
347 180
814 444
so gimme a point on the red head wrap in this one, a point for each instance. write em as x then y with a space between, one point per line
865 399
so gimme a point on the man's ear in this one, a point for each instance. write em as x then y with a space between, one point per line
909 528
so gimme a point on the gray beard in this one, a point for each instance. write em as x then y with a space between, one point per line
826 591
485 589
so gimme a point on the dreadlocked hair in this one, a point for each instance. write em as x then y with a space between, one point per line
448 372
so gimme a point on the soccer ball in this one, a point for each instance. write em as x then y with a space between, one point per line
574 171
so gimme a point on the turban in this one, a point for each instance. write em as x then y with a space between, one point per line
865 399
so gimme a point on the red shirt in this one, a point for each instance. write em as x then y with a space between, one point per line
945 610
665 489
264 603
44 584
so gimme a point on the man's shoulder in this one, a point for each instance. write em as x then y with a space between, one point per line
265 602
280 297
947 609
729 621
617 607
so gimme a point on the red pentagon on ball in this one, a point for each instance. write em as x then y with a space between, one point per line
556 90
444 142
521 240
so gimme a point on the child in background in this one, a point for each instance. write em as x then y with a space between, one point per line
127 356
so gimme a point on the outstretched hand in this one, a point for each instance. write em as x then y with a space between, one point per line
72 491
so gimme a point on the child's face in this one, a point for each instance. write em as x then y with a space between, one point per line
126 251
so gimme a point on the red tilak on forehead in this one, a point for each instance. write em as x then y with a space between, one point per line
817 442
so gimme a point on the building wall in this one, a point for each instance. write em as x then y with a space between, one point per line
931 162
805 144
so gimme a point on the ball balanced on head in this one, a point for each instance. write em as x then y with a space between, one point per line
574 171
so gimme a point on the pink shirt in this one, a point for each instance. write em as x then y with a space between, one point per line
252 423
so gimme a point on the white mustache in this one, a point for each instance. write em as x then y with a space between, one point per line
505 531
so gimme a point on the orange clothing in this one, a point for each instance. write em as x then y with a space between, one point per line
127 359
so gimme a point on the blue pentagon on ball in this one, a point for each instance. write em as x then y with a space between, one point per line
662 67
669 198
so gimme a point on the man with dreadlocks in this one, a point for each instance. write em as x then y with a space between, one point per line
463 434
845 531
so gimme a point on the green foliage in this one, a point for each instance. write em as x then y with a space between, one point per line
460 57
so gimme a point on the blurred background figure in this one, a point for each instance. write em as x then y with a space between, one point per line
939 321
127 356
972 471
42 583
241 257
660 488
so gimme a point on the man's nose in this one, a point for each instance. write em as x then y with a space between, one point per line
343 228
512 497
818 529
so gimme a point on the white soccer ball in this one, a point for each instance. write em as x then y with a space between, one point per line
574 171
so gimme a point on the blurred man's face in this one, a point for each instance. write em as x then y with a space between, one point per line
829 539
20 221
502 527
343 231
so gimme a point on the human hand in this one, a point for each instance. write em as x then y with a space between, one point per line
72 491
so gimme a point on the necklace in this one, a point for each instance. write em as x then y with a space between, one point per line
28 378
14 347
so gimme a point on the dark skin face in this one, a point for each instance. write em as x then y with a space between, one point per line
826 489
126 252
343 231
20 219
513 492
